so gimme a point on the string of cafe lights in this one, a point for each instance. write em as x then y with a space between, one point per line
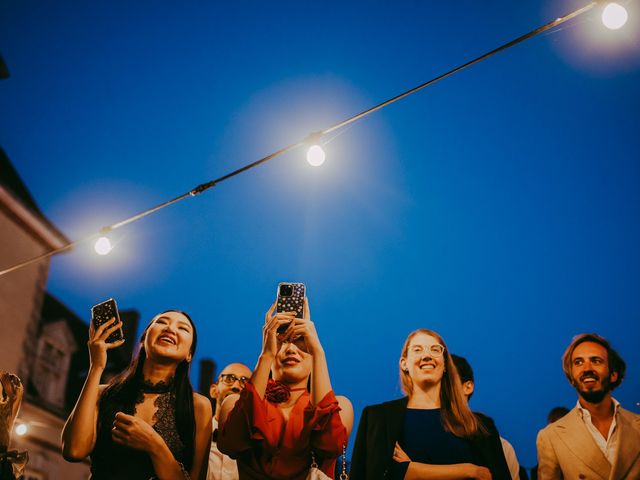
613 16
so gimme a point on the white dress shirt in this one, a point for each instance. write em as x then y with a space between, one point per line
609 445
221 467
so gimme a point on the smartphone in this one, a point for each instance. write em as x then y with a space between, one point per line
290 299
102 313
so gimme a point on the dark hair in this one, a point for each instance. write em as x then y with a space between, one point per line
124 388
556 413
616 363
464 370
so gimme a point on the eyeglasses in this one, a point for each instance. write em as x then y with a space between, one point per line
230 379
435 350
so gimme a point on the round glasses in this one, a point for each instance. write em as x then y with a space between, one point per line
435 350
230 379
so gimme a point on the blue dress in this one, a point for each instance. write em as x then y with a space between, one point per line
424 440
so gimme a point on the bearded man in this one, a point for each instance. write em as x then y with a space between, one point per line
598 439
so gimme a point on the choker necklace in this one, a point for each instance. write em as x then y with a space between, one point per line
278 392
161 387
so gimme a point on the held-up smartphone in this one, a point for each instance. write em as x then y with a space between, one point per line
102 313
290 299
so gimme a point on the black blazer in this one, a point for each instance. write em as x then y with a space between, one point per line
380 427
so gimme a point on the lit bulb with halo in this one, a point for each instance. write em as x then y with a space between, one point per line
315 155
614 16
103 246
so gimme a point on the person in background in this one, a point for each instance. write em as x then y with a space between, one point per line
231 380
277 427
430 433
12 462
468 387
597 438
147 422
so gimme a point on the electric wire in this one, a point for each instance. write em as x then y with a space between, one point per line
311 138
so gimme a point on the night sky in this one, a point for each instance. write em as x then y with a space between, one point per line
499 207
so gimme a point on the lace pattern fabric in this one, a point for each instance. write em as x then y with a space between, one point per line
131 463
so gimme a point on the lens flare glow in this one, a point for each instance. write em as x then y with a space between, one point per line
103 246
614 16
315 155
21 429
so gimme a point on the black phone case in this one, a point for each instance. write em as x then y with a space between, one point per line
102 313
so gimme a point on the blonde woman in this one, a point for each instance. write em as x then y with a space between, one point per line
430 433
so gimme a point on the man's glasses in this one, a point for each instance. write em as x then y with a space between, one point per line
435 350
230 379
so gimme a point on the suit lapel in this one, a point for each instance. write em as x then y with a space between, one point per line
574 434
628 443
394 419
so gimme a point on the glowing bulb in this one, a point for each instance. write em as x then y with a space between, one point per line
614 16
103 246
21 429
315 155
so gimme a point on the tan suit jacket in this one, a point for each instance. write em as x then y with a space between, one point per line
566 450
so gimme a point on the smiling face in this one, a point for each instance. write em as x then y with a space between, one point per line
420 363
292 364
590 373
169 336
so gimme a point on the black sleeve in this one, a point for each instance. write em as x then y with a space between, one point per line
490 447
358 468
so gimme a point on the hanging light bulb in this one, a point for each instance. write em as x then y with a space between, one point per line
315 155
103 246
21 429
614 16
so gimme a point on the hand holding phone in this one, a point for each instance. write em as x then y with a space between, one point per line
102 313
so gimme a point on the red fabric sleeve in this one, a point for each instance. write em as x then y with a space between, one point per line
246 422
328 434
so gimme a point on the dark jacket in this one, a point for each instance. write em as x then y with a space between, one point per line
380 427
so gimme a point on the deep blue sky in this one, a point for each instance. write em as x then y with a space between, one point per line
500 207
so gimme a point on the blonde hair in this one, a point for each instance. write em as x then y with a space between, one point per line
457 418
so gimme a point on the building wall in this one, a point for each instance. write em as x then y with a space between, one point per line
42 441
21 294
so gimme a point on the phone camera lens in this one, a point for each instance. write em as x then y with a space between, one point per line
286 290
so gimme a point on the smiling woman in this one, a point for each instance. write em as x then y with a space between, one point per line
147 422
277 427
430 433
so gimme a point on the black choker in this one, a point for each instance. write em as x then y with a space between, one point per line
161 387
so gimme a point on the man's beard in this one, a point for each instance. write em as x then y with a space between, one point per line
594 396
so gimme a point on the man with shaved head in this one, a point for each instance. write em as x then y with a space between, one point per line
231 380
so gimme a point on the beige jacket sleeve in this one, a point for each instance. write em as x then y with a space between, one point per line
548 466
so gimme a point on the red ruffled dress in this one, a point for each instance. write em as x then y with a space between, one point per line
256 435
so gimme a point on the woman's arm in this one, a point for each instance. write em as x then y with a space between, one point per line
320 380
79 432
424 471
260 375
202 411
458 471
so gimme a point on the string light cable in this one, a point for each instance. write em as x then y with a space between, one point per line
311 139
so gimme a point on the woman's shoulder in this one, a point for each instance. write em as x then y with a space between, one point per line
387 407
201 404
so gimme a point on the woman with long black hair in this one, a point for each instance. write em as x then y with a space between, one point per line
147 422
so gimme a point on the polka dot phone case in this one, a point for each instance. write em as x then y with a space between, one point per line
102 313
291 299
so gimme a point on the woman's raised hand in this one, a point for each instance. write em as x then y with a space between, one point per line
270 341
305 329
98 345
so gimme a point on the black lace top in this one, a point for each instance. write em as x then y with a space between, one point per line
110 460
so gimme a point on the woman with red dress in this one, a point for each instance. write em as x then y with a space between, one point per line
277 426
